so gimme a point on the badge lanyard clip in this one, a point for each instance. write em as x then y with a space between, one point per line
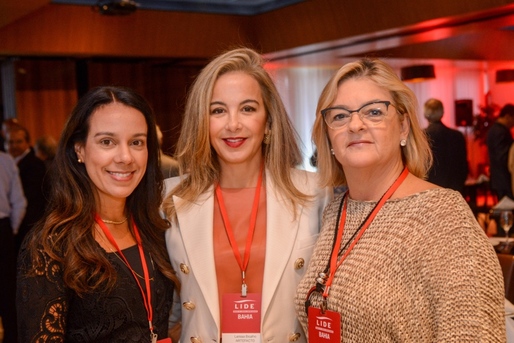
244 287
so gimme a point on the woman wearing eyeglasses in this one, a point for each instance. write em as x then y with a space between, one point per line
398 259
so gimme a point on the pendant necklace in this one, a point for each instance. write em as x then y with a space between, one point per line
106 221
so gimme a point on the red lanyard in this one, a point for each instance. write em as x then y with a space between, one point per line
251 229
334 264
147 298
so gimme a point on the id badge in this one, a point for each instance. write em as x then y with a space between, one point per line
324 327
241 318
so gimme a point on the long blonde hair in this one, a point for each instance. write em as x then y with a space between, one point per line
194 152
416 155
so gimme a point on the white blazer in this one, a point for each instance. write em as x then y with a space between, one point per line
289 245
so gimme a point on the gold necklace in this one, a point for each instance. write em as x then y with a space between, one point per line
106 221
108 244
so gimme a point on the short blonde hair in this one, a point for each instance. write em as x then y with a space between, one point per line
416 155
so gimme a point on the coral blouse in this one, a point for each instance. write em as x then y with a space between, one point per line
238 202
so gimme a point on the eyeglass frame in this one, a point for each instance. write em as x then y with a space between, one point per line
325 110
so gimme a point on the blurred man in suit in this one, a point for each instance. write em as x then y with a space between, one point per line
32 175
450 167
499 139
12 211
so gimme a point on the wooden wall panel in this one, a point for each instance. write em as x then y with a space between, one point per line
117 73
11 10
45 95
46 91
73 30
317 21
168 95
163 85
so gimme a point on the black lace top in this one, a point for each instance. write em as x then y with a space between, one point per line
50 312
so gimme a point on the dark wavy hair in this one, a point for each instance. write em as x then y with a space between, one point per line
66 231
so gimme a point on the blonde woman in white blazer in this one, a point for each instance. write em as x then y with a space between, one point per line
243 219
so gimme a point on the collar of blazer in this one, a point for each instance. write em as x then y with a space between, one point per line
195 225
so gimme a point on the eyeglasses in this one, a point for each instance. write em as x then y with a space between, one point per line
371 113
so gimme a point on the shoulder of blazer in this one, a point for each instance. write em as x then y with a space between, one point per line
306 181
171 183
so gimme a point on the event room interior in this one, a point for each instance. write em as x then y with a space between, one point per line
52 51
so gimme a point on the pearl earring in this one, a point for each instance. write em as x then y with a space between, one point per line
332 151
79 160
403 142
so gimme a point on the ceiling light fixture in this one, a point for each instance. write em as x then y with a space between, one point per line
504 75
418 73
116 7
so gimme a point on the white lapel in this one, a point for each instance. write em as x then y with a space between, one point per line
197 234
281 231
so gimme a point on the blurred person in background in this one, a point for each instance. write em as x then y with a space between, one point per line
169 165
499 140
7 124
45 148
450 166
12 211
32 175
